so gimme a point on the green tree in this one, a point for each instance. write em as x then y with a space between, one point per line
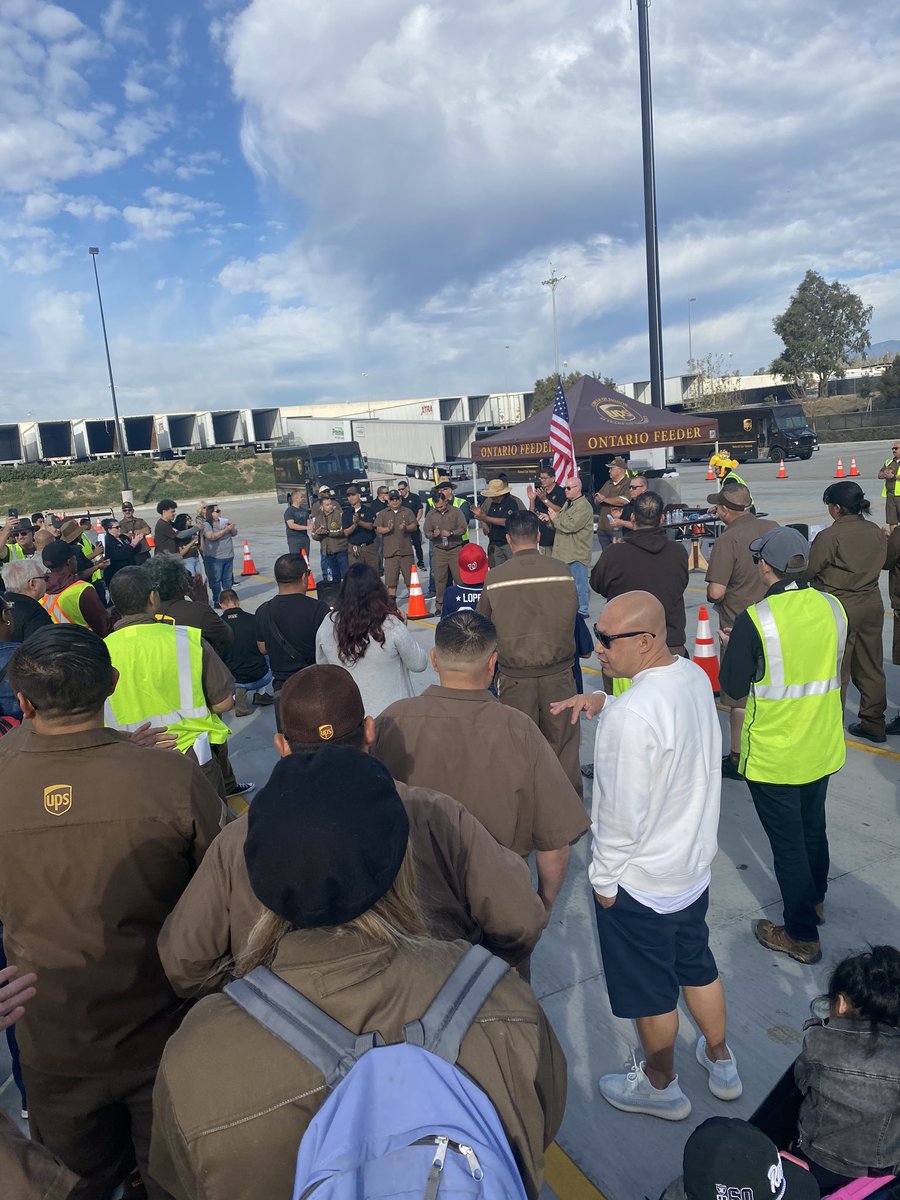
545 389
885 388
822 327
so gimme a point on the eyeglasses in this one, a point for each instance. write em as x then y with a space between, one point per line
635 487
570 487
606 639
757 558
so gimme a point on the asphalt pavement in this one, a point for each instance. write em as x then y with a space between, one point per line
602 1152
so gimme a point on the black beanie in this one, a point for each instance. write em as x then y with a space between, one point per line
325 837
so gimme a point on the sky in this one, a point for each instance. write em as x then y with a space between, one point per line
299 202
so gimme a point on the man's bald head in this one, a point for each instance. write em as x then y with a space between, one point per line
572 487
634 610
636 624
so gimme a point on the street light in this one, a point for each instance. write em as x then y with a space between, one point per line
691 300
126 491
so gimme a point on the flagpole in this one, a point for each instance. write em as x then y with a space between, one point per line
651 238
553 283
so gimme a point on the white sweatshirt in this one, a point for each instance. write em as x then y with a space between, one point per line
657 784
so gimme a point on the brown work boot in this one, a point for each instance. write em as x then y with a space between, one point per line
776 937
820 913
241 707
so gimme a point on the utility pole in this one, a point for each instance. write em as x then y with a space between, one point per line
692 300
654 310
120 441
553 283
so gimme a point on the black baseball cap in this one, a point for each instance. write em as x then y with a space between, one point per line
728 1157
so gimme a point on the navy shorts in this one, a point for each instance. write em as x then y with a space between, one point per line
649 956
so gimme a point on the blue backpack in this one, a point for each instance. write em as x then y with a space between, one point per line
402 1123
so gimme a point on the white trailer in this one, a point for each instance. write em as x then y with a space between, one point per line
315 430
412 447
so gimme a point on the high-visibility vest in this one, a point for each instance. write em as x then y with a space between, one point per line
793 728
457 503
65 607
15 550
161 680
87 550
888 462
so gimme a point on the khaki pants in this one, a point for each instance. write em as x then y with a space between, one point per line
864 659
534 697
442 562
393 567
98 1125
891 509
364 554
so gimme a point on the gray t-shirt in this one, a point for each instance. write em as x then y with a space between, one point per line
221 547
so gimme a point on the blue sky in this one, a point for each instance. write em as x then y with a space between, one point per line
289 194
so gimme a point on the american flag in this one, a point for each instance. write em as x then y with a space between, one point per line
561 437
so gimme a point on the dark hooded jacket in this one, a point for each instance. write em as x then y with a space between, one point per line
647 561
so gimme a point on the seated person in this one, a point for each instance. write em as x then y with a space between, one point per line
728 1157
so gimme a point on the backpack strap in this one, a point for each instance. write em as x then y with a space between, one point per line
300 1024
442 1028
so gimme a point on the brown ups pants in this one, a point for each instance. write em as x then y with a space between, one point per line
444 560
533 697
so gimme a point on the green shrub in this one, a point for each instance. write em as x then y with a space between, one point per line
194 458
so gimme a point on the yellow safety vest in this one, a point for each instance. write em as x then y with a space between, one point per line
87 550
887 462
457 503
65 607
161 680
15 550
793 728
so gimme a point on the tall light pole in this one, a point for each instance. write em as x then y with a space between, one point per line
654 310
126 491
553 283
692 300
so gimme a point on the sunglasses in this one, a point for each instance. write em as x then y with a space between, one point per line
606 639
635 487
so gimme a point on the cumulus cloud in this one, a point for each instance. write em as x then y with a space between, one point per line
168 213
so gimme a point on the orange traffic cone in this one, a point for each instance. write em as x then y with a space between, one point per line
310 578
705 649
710 473
782 471
854 471
249 567
416 609
839 473
98 528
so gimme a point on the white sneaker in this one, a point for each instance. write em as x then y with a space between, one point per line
724 1081
635 1093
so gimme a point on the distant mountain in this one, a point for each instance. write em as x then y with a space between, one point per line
878 348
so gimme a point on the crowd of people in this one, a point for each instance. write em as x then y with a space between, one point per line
186 1004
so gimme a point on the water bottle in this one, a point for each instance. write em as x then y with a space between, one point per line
328 575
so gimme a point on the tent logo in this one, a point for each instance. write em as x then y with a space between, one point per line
619 413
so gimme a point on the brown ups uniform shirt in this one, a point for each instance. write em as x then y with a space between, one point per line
513 782
471 888
453 520
232 1102
732 566
605 511
98 839
532 600
397 541
846 559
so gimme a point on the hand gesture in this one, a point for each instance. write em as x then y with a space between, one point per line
530 492
13 994
589 704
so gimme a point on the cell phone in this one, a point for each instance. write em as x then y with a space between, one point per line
12 512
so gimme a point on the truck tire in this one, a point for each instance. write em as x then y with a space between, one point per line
776 454
806 455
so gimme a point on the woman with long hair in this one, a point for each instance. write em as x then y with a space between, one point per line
846 560
116 547
367 635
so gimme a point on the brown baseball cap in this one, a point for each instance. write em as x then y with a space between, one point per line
619 461
320 704
734 496
70 531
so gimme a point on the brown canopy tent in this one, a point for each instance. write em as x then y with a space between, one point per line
603 422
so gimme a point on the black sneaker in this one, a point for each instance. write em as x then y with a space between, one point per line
730 769
859 730
241 790
893 726
263 698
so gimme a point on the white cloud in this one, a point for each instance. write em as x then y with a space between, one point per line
187 166
58 326
43 206
167 213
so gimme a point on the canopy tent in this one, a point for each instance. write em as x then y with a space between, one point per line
603 421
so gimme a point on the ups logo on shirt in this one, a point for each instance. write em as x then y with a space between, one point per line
58 798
